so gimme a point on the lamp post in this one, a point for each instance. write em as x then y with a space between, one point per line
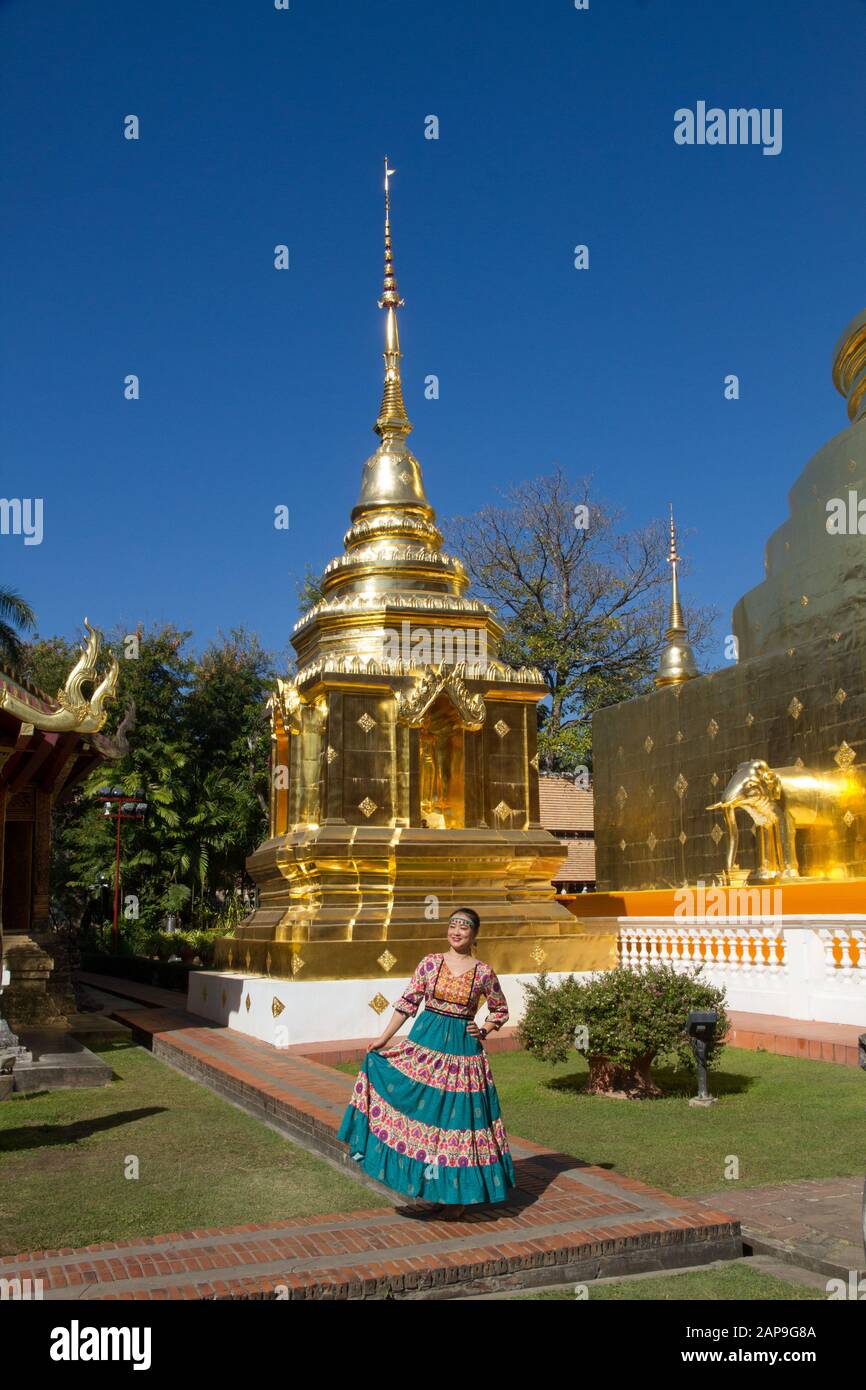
119 803
701 1028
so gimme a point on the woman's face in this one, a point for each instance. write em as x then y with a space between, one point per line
460 934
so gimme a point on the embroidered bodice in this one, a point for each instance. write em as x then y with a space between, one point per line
438 989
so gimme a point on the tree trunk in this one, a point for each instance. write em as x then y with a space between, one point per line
631 1082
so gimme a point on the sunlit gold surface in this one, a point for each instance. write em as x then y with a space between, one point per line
395 795
677 662
782 801
75 711
795 701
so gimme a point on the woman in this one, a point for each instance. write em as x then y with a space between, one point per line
424 1116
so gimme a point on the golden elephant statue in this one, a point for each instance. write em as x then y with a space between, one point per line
781 801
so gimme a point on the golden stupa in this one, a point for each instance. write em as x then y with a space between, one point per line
404 765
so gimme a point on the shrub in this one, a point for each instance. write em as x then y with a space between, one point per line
631 1018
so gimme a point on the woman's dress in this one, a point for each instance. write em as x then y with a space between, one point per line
424 1117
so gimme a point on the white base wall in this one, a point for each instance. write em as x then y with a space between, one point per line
315 1011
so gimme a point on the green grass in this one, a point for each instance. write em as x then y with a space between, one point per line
783 1118
201 1163
702 1286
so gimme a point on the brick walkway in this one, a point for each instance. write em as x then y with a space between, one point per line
566 1221
791 1037
815 1223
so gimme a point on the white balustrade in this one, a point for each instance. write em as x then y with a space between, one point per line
804 968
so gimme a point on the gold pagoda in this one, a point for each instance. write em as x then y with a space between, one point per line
404 766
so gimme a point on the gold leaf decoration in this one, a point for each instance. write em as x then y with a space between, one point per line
378 1003
845 755
277 1006
387 961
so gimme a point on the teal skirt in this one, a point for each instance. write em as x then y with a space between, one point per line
424 1117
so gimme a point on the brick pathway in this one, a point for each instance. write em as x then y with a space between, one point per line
791 1037
816 1223
565 1221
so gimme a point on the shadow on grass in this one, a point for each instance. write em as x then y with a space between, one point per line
672 1084
47 1136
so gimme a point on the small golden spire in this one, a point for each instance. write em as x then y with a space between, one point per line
392 418
677 662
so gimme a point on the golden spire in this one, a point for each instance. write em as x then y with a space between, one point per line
392 419
677 662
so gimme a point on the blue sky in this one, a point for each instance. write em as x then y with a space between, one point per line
260 387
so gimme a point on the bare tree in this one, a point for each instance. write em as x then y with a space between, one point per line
582 599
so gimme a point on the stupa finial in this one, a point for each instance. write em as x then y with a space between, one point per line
677 662
392 418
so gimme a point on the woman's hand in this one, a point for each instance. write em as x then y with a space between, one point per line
378 1043
475 1032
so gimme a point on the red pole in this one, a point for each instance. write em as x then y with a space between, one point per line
116 881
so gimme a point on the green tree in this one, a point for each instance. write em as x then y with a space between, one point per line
198 751
16 618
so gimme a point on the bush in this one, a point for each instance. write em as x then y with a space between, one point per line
631 1018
